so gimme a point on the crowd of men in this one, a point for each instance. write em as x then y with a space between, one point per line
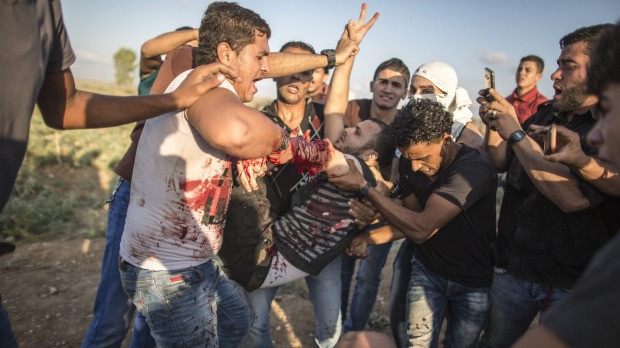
218 203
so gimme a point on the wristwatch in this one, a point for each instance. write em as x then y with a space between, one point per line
364 190
516 137
331 57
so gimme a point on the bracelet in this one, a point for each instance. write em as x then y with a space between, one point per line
364 190
286 141
395 191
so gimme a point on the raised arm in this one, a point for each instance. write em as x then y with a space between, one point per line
493 143
338 94
337 100
553 180
64 107
152 50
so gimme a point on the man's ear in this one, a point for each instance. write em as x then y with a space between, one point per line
539 76
371 83
447 139
225 53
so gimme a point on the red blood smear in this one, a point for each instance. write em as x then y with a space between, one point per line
310 155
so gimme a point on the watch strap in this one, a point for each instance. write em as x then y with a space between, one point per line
364 190
331 57
516 137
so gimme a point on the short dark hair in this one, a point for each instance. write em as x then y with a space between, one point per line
383 144
298 44
394 64
604 69
540 63
231 23
589 35
420 121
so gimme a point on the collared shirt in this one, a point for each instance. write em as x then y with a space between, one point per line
536 240
527 104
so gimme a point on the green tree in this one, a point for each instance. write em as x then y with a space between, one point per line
124 64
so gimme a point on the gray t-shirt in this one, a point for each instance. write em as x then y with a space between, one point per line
590 316
34 41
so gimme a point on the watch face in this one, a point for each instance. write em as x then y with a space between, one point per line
519 135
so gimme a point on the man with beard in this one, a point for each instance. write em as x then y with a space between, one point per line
388 87
182 177
595 295
316 228
251 213
552 219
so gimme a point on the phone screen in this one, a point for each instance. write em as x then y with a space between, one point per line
489 78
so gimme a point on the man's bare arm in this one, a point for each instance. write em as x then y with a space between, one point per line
64 107
151 50
228 125
416 225
553 180
338 94
601 174
493 143
337 100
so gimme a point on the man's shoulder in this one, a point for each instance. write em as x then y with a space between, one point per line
473 161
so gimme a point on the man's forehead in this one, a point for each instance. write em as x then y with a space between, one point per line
369 126
575 51
527 63
389 74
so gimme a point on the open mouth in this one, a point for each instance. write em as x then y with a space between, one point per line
292 89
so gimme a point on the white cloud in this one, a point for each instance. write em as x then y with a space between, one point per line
496 58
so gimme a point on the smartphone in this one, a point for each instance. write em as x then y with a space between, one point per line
550 141
489 82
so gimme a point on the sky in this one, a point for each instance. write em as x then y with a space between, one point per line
469 35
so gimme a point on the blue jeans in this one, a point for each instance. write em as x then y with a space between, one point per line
325 294
398 293
234 313
432 298
514 304
180 305
7 337
367 283
113 310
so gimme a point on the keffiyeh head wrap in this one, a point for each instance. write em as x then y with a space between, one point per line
457 99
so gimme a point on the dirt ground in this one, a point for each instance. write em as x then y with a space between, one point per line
48 289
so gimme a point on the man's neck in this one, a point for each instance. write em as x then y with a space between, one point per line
524 90
451 151
587 105
291 114
385 115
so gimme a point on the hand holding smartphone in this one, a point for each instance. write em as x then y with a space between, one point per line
549 145
489 82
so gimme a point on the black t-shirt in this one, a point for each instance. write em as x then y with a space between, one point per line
461 250
536 240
